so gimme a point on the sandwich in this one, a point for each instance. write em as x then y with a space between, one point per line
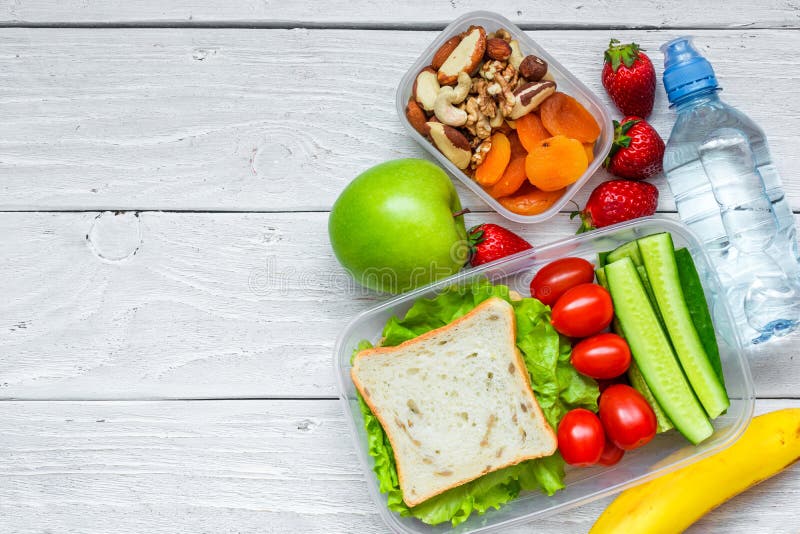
456 403
460 401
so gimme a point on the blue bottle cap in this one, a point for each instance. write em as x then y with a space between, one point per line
685 70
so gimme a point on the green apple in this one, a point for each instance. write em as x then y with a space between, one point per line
393 227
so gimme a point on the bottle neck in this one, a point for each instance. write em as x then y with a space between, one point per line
704 96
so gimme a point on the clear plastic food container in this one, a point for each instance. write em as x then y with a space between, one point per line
665 453
565 82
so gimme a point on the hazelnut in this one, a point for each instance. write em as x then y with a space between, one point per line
498 49
533 68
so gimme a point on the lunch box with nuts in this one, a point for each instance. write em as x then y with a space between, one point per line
477 79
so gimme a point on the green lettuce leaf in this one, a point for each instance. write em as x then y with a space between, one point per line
556 384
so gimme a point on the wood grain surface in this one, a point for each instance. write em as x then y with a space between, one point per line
205 119
240 467
180 305
565 13
169 299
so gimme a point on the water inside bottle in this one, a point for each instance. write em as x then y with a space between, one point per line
728 191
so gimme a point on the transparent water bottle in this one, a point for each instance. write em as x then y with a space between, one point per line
728 191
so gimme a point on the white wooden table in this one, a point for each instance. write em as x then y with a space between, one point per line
169 299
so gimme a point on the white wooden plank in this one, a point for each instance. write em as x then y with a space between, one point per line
209 306
572 13
278 120
239 466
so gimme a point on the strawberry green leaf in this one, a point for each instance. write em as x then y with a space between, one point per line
621 54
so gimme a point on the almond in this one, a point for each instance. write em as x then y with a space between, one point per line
498 49
532 68
465 57
416 116
529 96
451 143
444 51
425 88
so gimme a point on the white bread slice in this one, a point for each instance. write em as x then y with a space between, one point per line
456 402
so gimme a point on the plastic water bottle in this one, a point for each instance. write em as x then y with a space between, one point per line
728 191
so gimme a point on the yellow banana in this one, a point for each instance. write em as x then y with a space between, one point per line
673 502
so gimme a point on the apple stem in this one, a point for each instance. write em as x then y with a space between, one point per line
462 212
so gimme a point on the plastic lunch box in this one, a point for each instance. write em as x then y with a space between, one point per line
665 453
565 81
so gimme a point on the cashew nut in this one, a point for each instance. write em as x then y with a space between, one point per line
516 54
444 108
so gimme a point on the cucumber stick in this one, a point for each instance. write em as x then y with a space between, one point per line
638 383
635 376
658 254
698 308
653 353
628 250
631 250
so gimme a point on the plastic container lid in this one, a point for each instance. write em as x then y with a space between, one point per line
686 71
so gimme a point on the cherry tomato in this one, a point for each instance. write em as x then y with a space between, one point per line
602 356
556 277
583 310
611 454
580 437
627 417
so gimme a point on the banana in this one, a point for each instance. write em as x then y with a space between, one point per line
673 502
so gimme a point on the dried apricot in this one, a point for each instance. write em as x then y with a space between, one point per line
495 162
530 200
589 148
513 178
563 115
517 150
531 131
556 163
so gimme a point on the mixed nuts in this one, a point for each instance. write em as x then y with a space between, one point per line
476 82
496 115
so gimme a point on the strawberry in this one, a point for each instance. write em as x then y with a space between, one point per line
637 152
629 78
617 201
489 242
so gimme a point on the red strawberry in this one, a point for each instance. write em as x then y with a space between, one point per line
629 78
637 152
617 201
489 242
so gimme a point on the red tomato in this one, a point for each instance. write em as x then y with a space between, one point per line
611 454
602 356
580 437
583 310
627 417
556 277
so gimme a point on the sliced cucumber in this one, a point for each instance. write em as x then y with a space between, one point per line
631 250
659 260
653 353
638 383
603 281
628 250
634 374
698 308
